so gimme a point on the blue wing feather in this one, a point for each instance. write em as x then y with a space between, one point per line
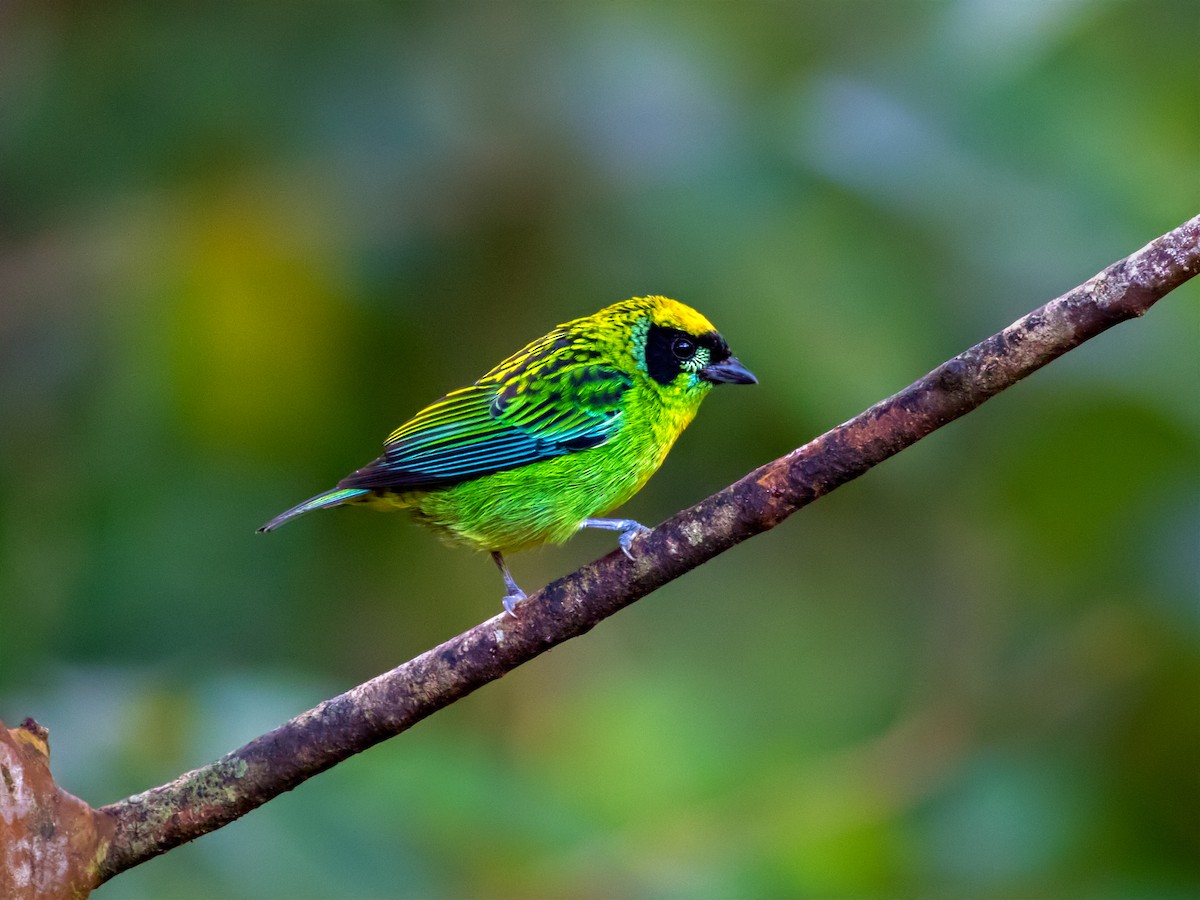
494 425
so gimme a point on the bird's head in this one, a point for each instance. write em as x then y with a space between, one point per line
675 346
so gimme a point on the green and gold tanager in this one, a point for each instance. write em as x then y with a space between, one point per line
562 431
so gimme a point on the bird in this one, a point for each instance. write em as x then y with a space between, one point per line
557 435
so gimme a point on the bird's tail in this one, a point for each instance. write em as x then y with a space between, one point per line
335 497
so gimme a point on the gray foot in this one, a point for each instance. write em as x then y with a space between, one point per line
511 600
628 527
515 595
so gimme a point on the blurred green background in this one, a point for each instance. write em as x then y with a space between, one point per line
239 244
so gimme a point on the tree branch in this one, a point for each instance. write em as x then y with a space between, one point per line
203 800
48 839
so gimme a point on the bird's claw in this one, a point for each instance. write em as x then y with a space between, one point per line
628 528
627 536
511 600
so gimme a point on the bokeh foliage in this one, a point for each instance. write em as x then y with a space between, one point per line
240 243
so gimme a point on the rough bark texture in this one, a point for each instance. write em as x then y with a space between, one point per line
200 801
50 842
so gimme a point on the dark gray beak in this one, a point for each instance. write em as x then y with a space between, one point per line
728 371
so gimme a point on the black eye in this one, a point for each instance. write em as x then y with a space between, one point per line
683 348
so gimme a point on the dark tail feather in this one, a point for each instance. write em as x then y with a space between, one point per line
335 497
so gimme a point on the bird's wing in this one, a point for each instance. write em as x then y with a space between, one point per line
489 427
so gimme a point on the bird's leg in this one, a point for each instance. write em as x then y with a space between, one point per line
515 595
628 527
